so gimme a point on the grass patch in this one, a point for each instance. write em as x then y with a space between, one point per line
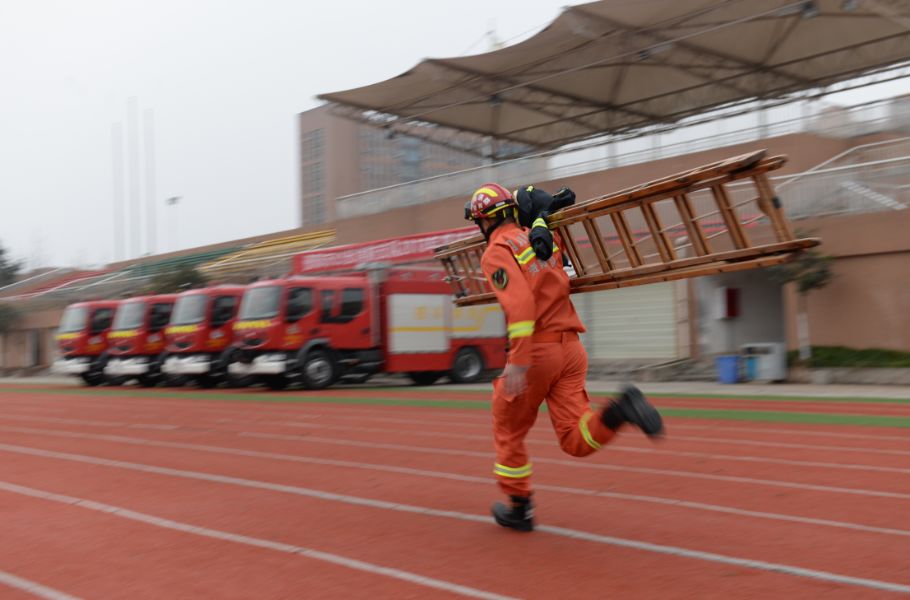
842 356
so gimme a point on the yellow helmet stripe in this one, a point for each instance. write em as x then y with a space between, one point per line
488 191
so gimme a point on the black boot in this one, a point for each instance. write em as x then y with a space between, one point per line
631 407
519 516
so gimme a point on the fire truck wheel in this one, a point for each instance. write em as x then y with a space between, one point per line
239 381
207 381
276 382
425 377
148 380
467 366
93 378
319 370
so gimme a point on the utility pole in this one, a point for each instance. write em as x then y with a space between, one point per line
150 199
173 238
132 143
119 224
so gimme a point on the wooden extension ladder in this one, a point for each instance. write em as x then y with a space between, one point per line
720 217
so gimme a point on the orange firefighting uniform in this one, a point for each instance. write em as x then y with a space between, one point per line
543 330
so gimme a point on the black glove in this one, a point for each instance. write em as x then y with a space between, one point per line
532 202
561 199
534 207
542 241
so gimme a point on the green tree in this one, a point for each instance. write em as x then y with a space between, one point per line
178 280
810 270
8 268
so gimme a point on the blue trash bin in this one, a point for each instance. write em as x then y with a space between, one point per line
727 368
751 368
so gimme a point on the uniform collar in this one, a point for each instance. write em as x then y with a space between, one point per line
502 230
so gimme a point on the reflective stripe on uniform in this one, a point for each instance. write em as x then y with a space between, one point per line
512 472
528 255
525 257
520 329
586 433
539 222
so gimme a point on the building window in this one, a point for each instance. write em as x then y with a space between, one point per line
410 158
313 210
312 178
311 145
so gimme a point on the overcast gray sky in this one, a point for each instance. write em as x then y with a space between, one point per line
225 79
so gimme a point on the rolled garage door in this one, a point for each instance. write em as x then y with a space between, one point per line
630 323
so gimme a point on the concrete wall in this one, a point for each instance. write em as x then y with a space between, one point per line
867 304
761 312
17 347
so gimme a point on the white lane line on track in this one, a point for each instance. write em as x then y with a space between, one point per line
35 589
336 559
589 465
799 432
671 436
613 448
713 440
426 511
485 422
150 403
537 441
486 481
92 422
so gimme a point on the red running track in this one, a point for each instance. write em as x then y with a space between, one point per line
347 508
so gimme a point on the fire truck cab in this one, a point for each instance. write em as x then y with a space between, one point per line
316 330
82 340
200 330
137 339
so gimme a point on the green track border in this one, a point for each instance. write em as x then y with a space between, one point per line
766 416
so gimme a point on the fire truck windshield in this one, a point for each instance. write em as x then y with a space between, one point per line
130 315
260 303
189 310
73 319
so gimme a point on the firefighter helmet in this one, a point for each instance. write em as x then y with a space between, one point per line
489 199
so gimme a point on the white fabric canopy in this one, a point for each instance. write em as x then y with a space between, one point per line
620 65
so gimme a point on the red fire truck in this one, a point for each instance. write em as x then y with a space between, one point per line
82 339
316 330
137 339
200 330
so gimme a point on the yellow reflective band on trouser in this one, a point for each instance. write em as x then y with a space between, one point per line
512 472
520 329
540 222
586 433
525 257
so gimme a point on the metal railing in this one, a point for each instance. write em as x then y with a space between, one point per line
33 279
871 186
892 114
